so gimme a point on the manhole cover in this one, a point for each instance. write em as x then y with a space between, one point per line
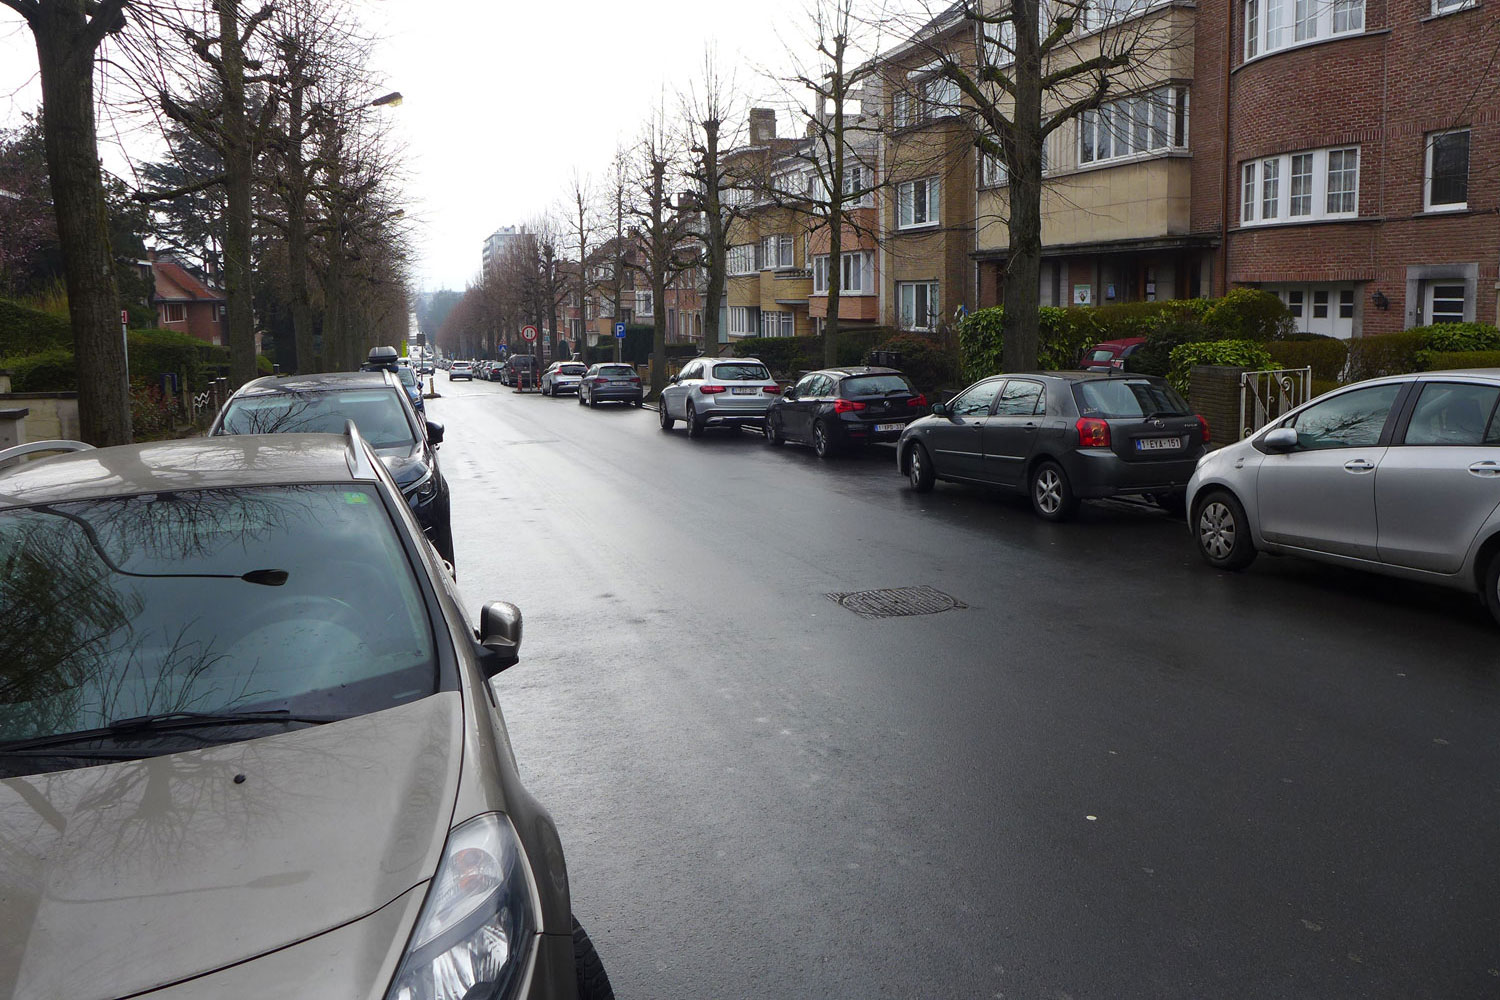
897 602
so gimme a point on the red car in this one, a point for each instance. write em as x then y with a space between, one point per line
1111 354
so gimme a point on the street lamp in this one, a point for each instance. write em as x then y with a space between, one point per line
390 100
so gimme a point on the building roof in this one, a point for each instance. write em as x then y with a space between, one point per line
175 283
195 463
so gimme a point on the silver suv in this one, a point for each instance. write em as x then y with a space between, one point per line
1396 475
718 392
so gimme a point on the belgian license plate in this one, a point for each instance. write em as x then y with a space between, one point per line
888 427
745 390
1158 444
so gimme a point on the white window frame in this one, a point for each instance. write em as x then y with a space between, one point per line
1452 7
907 303
1275 25
176 312
744 321
1266 188
857 272
906 203
740 260
940 97
856 185
992 171
903 108
1429 298
778 323
778 253
1134 127
645 302
1429 147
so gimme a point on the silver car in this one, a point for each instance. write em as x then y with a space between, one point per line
562 376
1396 475
718 392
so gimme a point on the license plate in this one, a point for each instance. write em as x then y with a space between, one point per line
745 390
888 427
1158 444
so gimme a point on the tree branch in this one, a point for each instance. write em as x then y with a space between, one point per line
151 197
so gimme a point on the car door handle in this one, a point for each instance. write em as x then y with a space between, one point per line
1359 465
1485 470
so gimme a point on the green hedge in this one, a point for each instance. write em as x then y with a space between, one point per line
1062 338
27 331
1238 353
151 353
1386 354
1444 360
1324 355
787 356
46 371
929 366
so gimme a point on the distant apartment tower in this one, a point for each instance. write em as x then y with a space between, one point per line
498 243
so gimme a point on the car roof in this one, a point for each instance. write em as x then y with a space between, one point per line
188 464
1082 376
322 382
849 370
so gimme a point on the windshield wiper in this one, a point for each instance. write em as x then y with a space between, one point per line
164 722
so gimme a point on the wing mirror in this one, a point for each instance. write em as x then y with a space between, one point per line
940 410
1281 439
673 380
500 636
434 432
790 393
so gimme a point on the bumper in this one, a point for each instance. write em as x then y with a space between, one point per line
605 395
466 377
1095 473
558 388
864 432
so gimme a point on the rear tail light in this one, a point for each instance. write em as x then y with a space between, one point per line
772 389
847 405
1092 432
1117 363
709 390
1203 425
635 380
918 400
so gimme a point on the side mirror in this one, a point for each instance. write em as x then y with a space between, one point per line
1281 439
500 635
939 409
434 432
672 380
790 393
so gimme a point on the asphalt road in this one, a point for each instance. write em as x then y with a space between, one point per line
1115 773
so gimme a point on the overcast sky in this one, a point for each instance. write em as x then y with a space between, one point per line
504 98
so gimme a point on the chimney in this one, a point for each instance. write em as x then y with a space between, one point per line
762 126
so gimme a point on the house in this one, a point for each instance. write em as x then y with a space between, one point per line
188 304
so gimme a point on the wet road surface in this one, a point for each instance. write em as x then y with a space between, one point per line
1115 773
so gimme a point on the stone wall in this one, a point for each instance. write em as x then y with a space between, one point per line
50 415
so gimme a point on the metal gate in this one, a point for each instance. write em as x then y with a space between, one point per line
1266 396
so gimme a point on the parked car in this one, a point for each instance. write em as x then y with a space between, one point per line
519 370
378 405
413 386
426 367
610 383
718 392
460 370
1400 476
562 376
838 408
1111 354
1060 436
265 745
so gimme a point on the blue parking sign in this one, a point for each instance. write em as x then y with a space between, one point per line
620 330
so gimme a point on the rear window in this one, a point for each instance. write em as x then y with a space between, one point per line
1102 354
741 372
571 369
875 385
616 370
1128 398
406 376
376 412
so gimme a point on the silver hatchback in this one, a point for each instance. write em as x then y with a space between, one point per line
718 392
1398 475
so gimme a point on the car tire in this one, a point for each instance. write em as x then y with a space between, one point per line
919 470
822 444
593 982
772 432
1051 497
1491 595
1222 531
639 403
690 417
663 415
593 403
545 391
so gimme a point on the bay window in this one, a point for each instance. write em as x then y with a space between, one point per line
777 252
741 259
1152 122
1277 24
857 273
1300 187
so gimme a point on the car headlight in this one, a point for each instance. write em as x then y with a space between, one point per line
424 489
476 926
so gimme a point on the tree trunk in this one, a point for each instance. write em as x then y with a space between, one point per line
238 165
836 213
1021 289
296 242
65 57
714 219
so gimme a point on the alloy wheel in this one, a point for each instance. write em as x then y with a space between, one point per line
1217 530
1049 491
914 467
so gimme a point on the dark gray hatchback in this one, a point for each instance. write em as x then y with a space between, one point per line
1061 436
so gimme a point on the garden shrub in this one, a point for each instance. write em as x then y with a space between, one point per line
924 361
1386 354
45 371
1249 314
30 331
1326 356
1444 360
1237 353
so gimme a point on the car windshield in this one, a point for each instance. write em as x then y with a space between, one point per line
376 412
875 385
277 598
570 370
741 373
1128 398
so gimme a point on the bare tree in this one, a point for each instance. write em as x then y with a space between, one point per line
581 218
68 34
710 117
665 236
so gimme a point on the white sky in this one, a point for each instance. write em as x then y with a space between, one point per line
504 98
